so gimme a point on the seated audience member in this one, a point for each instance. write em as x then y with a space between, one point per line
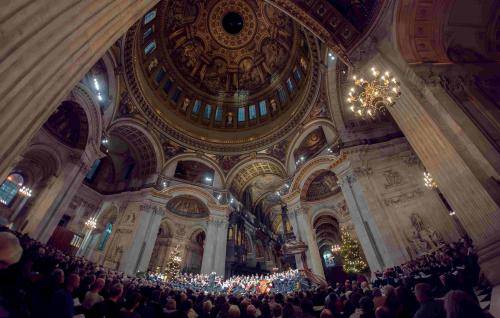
128 310
459 304
93 297
233 312
365 309
62 304
10 250
277 311
326 313
429 308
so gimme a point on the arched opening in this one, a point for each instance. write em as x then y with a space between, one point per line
10 188
161 248
194 252
69 124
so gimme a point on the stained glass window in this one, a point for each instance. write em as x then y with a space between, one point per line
207 112
297 74
218 113
290 85
281 94
92 172
10 187
241 114
252 112
176 96
167 86
262 108
197 106
150 16
150 47
160 75
105 236
148 32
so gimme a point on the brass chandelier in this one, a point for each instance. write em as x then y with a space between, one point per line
367 97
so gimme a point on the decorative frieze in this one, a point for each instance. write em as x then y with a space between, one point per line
403 197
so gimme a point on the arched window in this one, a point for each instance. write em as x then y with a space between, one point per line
241 114
207 112
218 113
252 113
105 236
262 108
150 47
197 106
10 187
150 16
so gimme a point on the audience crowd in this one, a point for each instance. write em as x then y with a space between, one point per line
39 281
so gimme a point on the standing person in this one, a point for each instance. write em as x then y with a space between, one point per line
62 301
429 308
109 308
129 310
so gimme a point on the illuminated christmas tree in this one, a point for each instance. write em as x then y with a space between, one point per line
352 256
173 266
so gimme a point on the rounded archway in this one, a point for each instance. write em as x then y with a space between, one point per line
194 251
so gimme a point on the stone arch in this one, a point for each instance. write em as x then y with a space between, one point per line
320 185
186 189
327 228
244 172
111 65
321 163
328 129
147 146
195 249
170 166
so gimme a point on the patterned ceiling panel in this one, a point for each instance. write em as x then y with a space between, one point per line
253 170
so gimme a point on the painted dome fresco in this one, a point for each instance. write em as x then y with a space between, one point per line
224 76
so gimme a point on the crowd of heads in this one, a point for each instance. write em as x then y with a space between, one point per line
45 282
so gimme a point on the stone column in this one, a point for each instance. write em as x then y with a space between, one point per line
304 232
72 175
370 240
214 252
62 43
139 253
451 148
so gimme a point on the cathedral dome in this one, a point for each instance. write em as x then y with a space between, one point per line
223 76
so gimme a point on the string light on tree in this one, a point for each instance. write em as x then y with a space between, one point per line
353 258
173 267
367 97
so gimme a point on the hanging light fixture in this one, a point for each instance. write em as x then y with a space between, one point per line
367 97
429 181
26 191
335 248
91 223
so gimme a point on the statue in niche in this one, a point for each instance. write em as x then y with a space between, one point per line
185 104
423 238
274 105
152 65
229 121
275 55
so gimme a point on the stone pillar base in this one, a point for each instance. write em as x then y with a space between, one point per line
489 259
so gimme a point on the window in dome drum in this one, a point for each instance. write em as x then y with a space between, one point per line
196 107
177 95
290 85
252 113
160 75
263 108
282 95
241 114
218 113
148 32
207 112
150 16
297 74
167 86
150 47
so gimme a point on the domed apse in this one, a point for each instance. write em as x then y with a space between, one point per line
232 23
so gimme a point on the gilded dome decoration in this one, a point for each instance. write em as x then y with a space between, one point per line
189 206
223 76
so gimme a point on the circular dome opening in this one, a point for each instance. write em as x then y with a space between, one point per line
232 23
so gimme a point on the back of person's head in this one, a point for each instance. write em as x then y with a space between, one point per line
10 250
384 312
116 291
133 301
376 292
326 313
72 281
288 311
366 304
307 306
207 306
251 311
233 312
277 310
423 292
459 304
171 304
391 299
98 284
156 295
57 276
